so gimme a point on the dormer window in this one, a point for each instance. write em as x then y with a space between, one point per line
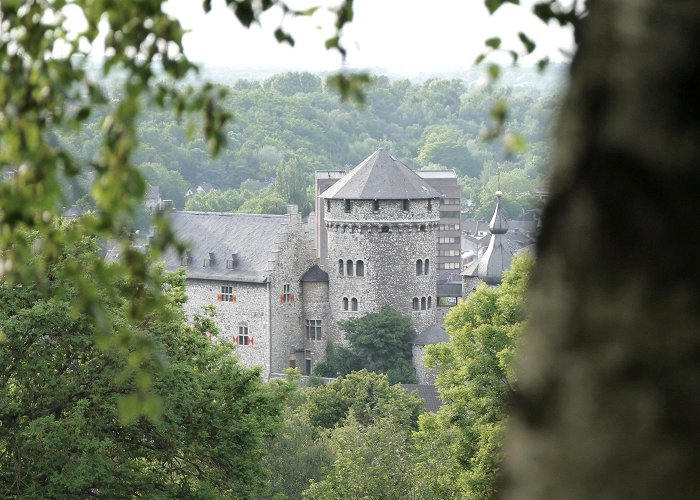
232 262
209 262
186 259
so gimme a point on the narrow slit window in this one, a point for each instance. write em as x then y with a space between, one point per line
341 267
349 269
359 268
375 206
419 267
347 205
422 303
415 304
426 268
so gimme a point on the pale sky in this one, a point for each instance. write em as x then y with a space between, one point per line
397 35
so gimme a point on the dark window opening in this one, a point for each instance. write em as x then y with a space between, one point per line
375 206
354 304
406 205
426 269
359 268
349 267
422 303
347 205
385 229
341 268
415 304
419 267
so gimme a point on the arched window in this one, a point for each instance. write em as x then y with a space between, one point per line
354 304
349 267
416 306
422 228
430 302
385 229
359 268
426 269
345 303
422 303
341 268
419 267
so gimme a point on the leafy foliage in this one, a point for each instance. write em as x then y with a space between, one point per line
61 432
379 342
460 445
47 88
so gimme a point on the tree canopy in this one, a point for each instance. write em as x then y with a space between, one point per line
60 429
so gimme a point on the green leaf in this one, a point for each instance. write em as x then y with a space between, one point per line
494 71
516 143
129 408
284 37
494 5
542 63
244 13
479 58
527 42
332 43
494 42
153 407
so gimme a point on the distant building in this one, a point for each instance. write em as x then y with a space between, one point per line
281 304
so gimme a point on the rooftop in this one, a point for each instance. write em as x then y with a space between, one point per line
251 237
380 176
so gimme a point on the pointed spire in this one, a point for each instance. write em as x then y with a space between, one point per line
498 224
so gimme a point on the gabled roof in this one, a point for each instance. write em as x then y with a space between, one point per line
251 237
380 177
434 334
315 274
428 393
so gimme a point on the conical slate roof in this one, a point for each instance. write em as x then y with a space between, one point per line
315 274
380 177
498 257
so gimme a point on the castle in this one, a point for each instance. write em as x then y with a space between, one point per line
280 285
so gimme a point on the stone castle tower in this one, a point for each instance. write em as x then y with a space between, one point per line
382 222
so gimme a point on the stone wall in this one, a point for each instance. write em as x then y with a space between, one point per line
251 307
389 242
423 374
292 257
315 301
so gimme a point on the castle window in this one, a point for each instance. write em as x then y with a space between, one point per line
349 267
430 302
406 205
186 259
430 205
287 296
426 268
243 338
359 268
345 303
313 329
385 229
422 228
341 267
328 205
226 294
375 206
347 205
419 267
415 304
353 304
422 303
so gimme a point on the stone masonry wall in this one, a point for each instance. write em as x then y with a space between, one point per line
315 299
423 374
390 257
251 307
292 258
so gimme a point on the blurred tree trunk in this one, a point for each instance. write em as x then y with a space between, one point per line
609 381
